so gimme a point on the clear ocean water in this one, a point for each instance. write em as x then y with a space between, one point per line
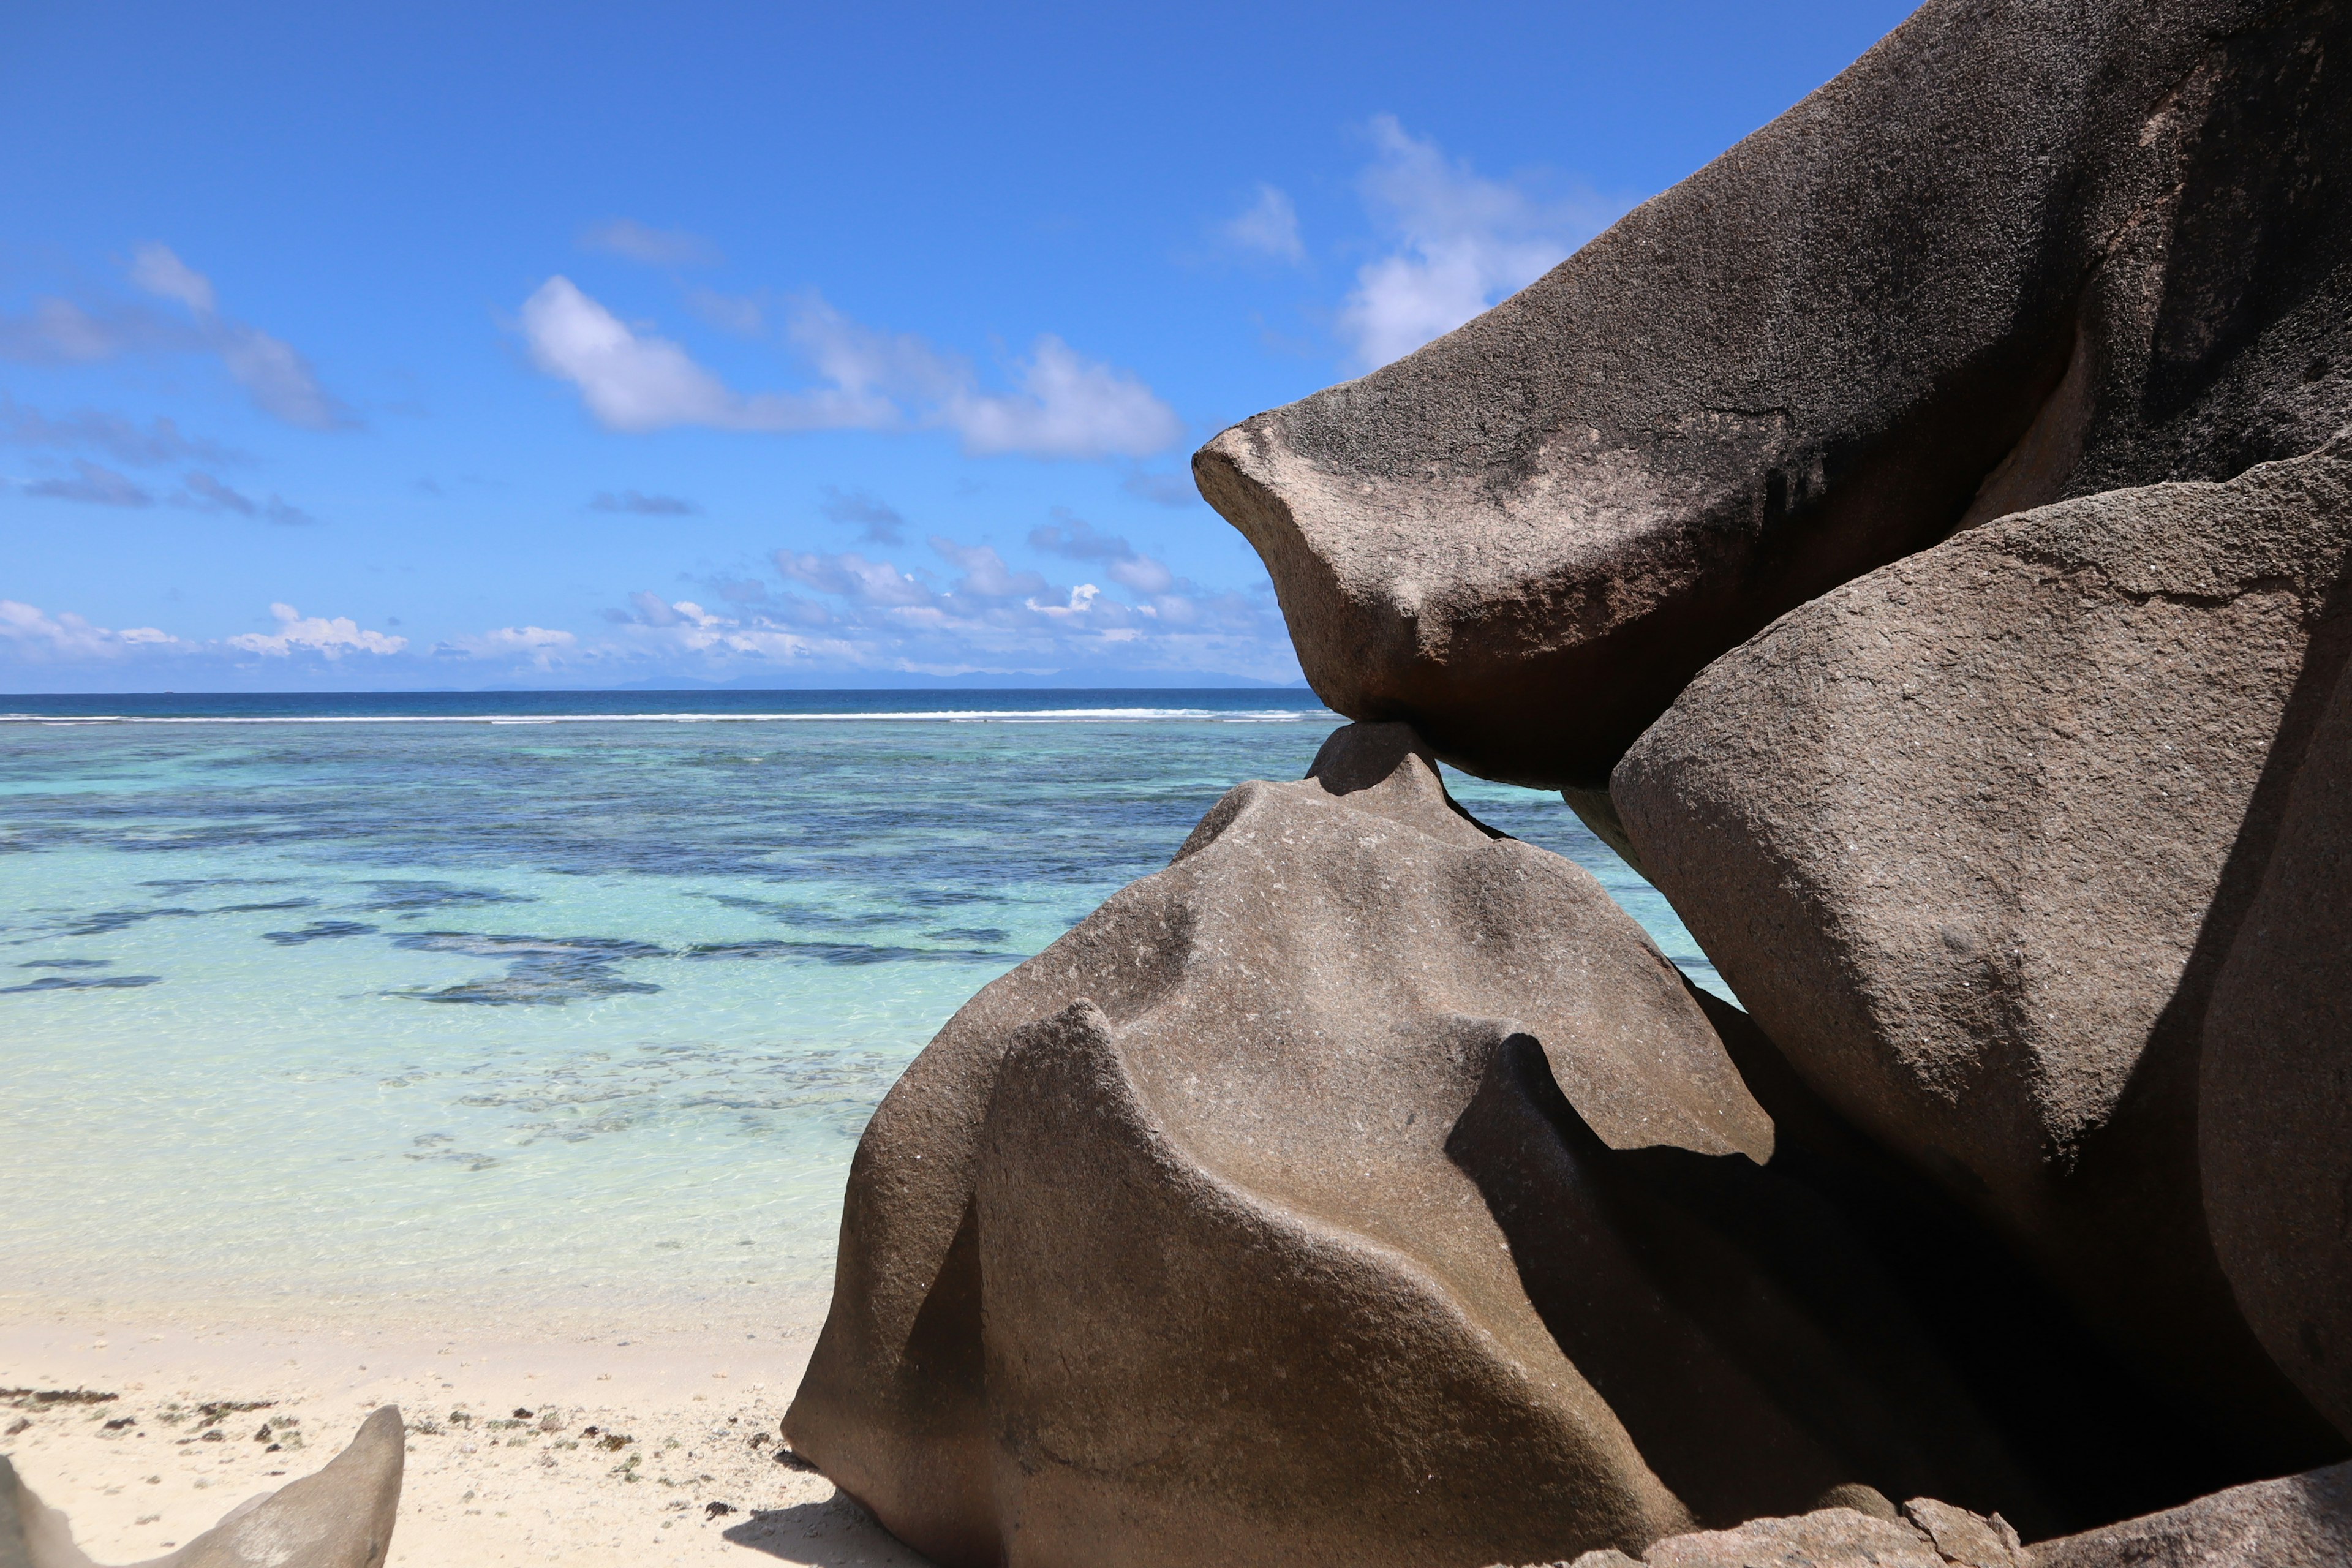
542 1007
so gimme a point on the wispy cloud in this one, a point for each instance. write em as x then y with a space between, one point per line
205 493
1162 490
297 633
877 521
654 246
276 378
93 485
1458 243
985 574
643 505
1062 405
1078 540
158 442
1267 226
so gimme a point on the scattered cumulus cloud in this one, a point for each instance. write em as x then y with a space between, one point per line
654 246
1062 405
1269 226
1459 243
643 505
852 576
314 634
636 382
29 633
877 521
276 378
93 485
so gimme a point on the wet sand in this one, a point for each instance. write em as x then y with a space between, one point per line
593 1448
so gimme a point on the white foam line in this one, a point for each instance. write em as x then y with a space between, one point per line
950 716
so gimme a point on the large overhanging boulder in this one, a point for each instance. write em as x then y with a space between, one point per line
2019 251
1971 837
1364 1188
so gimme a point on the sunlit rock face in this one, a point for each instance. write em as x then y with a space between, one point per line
1363 1188
2018 252
1972 836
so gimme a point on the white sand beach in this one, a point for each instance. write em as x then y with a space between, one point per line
588 1449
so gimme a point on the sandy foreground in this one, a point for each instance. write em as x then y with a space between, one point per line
513 1445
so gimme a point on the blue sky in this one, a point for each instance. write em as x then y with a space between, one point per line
363 346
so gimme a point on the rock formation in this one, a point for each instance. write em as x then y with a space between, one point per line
1926 1534
1363 1188
342 1516
1969 836
2274 1116
2018 252
1922 540
2301 1521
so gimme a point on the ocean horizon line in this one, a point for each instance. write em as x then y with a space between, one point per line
838 705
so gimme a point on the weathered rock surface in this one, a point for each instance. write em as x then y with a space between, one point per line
2274 1118
1970 837
2299 1521
341 1517
1930 1534
1360 1189
2017 252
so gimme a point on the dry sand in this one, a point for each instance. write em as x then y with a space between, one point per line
503 1467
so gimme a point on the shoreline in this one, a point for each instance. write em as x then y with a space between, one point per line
696 1411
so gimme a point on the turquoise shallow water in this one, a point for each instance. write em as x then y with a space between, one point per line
540 1007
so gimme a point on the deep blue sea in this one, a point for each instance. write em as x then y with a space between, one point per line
542 1006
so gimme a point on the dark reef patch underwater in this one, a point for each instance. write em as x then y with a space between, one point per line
661 953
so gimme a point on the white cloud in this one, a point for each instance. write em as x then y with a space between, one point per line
1068 407
852 576
279 380
638 383
1142 573
538 646
31 633
1064 404
332 638
654 246
1269 226
985 574
156 269
1462 243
